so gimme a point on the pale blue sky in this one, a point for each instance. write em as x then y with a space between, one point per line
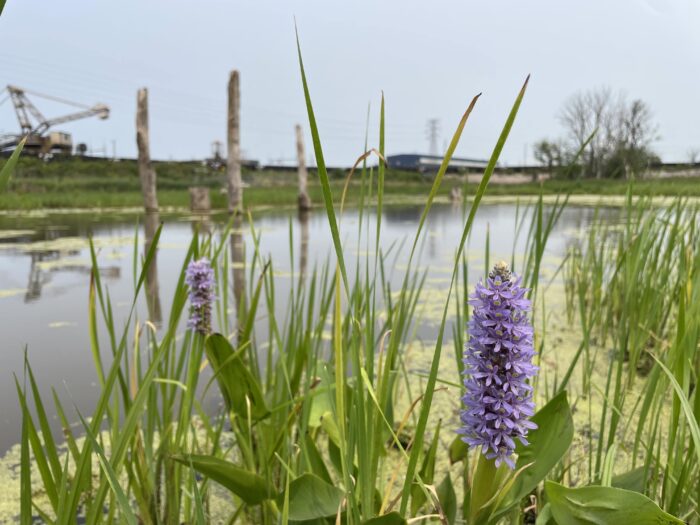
429 57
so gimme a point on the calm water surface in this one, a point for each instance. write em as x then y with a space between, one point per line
45 265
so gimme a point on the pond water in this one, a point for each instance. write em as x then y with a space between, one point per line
45 274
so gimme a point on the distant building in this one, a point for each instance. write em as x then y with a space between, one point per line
429 163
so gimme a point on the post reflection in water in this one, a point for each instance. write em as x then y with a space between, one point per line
304 245
238 267
150 226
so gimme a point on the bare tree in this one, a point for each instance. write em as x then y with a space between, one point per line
621 131
693 155
586 113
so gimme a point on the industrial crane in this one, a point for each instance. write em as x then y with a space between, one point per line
35 126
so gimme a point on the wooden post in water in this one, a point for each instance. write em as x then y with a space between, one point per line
150 203
233 164
200 202
146 172
304 200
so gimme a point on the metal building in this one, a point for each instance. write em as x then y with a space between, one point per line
430 163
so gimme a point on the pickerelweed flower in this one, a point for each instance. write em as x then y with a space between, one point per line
199 276
498 363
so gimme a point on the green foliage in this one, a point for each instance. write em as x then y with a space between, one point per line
549 442
310 498
9 167
248 486
239 387
393 518
586 505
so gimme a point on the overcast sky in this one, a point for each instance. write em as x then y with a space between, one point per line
429 58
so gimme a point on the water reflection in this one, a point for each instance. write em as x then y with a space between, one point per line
303 244
150 226
238 269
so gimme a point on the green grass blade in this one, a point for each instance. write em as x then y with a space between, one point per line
126 510
50 446
685 405
323 174
9 166
25 515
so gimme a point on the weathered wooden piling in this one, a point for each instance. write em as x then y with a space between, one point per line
304 199
200 202
146 172
233 164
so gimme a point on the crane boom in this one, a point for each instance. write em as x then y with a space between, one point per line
34 125
99 110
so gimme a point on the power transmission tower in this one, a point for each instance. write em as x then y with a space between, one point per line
432 131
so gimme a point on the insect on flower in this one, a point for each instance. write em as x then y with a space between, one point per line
199 276
498 363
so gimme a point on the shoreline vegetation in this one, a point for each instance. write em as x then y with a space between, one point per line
90 184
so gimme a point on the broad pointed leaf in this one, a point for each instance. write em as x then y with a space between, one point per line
247 485
310 497
238 385
548 444
594 504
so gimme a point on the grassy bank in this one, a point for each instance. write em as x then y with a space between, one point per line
78 183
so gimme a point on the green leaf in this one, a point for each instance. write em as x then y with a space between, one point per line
323 174
448 499
427 473
127 513
586 505
247 485
545 516
393 518
310 497
548 444
631 480
238 385
693 425
9 166
312 459
320 403
459 450
487 483
25 477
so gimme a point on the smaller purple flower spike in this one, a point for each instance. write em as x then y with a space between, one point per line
199 276
498 364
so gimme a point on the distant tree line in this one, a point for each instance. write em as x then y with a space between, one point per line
606 136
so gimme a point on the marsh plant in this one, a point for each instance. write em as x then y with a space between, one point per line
314 424
498 397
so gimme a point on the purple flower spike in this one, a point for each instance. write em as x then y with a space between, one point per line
199 276
498 363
